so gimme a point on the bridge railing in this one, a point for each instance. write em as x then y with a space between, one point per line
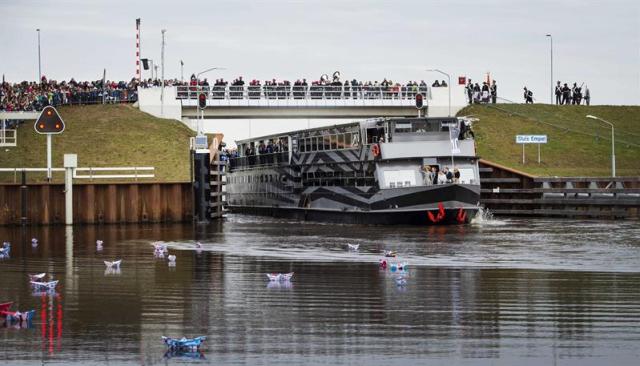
297 92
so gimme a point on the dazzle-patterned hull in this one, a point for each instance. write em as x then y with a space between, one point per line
329 175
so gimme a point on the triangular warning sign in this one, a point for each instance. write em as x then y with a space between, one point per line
49 121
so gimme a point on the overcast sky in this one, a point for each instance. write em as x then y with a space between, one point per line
595 42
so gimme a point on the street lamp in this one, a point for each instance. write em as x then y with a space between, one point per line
613 143
207 70
202 110
39 62
448 86
551 39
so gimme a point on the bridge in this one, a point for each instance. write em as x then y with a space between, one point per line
294 101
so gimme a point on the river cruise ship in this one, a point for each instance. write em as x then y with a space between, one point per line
379 171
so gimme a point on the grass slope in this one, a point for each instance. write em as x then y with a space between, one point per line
577 146
106 135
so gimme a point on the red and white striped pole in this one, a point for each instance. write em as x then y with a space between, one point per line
138 49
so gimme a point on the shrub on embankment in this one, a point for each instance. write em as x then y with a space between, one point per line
106 136
577 146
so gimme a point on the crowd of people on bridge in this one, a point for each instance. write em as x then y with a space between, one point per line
33 96
301 89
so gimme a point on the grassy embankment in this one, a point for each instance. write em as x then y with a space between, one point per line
577 146
106 136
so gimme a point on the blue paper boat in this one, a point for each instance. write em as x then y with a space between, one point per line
183 343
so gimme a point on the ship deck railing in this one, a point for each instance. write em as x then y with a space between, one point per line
259 160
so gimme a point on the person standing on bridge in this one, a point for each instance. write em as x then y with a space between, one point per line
470 91
566 94
558 93
528 96
494 92
587 96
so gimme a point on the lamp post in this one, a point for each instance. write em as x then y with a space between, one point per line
613 143
207 70
39 60
551 81
162 63
448 86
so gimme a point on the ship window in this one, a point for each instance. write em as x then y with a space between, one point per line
334 142
347 140
314 144
302 146
341 141
320 143
327 142
307 144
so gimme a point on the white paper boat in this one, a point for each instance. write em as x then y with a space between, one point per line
279 276
113 264
353 246
49 285
401 281
390 253
160 246
36 276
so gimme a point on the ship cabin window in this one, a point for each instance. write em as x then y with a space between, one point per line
327 141
334 142
341 141
374 135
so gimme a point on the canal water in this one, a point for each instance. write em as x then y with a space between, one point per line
496 292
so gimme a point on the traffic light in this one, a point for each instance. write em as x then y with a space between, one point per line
202 100
419 101
49 121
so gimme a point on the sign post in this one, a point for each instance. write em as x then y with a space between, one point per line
531 139
48 123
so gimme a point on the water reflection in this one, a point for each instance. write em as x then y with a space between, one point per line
341 307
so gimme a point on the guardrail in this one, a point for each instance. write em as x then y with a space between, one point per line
313 92
92 170
8 137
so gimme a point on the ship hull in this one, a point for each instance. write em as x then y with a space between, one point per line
363 218
434 205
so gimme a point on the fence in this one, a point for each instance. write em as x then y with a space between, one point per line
320 92
93 172
8 137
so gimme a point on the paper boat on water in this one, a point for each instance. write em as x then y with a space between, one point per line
113 264
183 343
279 276
49 285
36 276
